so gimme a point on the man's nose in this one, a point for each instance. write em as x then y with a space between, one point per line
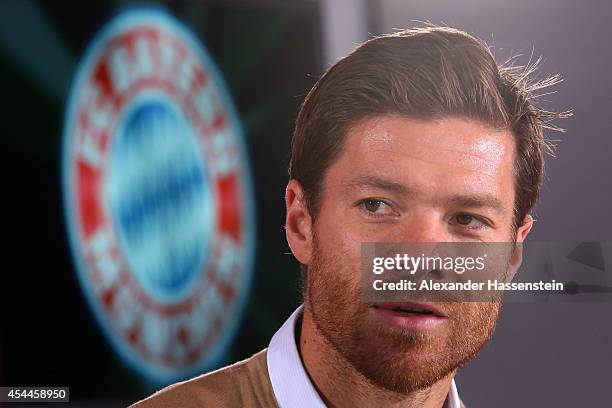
424 226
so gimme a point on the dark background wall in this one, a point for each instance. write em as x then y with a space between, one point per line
269 55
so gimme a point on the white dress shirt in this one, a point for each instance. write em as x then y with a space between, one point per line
291 384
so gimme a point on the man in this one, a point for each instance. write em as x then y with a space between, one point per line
419 136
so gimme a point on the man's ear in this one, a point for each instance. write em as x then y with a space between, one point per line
298 223
517 256
524 229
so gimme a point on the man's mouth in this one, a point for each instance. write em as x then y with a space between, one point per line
410 308
409 315
411 311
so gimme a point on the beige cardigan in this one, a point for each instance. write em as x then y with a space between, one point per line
243 384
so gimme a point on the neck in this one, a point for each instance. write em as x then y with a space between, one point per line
340 385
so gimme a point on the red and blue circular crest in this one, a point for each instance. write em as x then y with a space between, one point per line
158 196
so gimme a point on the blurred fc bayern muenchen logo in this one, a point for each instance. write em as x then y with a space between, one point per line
158 196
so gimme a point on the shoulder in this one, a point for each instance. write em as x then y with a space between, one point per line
245 383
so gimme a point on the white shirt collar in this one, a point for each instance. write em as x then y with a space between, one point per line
290 382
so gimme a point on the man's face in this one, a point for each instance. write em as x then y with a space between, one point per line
405 180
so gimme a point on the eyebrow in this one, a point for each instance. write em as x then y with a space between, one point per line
380 183
461 200
477 201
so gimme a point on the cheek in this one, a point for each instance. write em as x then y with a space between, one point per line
339 244
338 259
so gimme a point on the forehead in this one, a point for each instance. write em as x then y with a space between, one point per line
445 154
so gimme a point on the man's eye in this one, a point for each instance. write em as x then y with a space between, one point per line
469 221
376 207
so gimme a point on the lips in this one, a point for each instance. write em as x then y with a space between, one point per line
410 308
410 316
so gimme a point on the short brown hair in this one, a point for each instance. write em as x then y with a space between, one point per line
424 73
